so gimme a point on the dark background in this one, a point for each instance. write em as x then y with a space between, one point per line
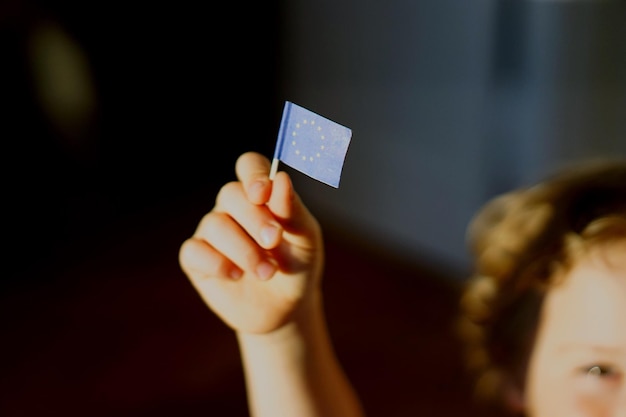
178 96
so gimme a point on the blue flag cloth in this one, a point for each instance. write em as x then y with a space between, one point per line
312 144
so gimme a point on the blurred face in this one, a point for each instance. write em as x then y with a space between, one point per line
578 365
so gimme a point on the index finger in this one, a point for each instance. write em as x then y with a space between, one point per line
253 170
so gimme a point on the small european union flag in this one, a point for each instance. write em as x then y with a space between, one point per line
311 144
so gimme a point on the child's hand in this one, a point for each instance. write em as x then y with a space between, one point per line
256 257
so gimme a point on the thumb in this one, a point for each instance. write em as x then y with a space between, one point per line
252 170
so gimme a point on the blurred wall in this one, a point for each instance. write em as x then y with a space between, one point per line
451 103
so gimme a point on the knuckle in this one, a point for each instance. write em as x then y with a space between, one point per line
227 192
191 258
197 259
184 253
210 224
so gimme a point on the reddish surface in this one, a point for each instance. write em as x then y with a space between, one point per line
112 327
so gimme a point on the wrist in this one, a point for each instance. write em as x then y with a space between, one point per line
304 320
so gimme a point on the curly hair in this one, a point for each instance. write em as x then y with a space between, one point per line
518 241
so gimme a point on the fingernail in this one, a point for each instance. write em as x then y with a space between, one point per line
235 273
256 187
269 234
265 270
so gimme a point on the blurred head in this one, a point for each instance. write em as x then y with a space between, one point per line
544 316
578 363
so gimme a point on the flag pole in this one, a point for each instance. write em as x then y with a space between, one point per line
274 168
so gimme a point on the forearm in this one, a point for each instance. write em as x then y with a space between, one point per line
294 371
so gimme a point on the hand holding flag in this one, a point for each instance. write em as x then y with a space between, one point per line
312 144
